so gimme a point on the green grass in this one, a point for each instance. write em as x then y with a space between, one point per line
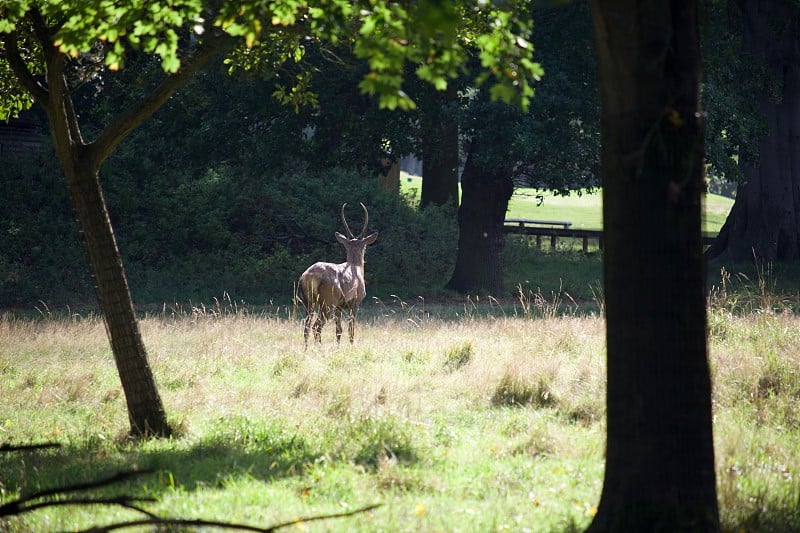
584 210
477 416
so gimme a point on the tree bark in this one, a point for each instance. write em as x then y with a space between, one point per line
659 472
145 410
485 194
764 223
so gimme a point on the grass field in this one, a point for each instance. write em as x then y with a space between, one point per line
584 211
475 417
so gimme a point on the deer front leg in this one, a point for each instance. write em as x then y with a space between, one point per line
338 318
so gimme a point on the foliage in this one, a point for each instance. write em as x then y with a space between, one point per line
434 38
731 79
40 254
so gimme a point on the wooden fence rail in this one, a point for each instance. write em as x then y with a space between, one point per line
555 229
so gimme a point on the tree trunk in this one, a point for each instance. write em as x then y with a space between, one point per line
389 178
145 409
484 201
659 472
440 164
81 164
764 222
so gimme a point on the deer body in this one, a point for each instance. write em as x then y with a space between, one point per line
331 288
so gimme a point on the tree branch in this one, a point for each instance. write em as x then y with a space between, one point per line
123 501
135 115
28 503
59 108
28 80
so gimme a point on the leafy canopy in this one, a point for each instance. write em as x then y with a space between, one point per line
433 38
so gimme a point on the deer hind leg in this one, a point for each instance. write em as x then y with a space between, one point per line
338 319
351 325
307 326
318 323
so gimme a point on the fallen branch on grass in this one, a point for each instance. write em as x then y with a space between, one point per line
34 501
223 525
41 499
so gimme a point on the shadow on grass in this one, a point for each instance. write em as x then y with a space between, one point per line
268 455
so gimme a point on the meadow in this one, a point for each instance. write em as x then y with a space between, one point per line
475 416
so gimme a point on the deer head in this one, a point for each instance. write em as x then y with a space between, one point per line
326 288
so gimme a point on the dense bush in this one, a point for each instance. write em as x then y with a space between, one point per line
222 191
186 235
40 253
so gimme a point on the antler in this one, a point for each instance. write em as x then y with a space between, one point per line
344 221
366 221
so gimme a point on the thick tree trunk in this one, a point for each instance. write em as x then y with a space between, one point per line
440 166
440 153
764 222
145 409
659 457
484 201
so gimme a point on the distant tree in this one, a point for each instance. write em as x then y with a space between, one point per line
553 145
439 151
50 48
486 188
764 222
659 473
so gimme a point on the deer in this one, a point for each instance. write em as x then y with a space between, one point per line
326 288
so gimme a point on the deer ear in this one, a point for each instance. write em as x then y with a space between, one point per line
371 238
341 238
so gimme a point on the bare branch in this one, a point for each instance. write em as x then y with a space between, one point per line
26 503
326 517
28 447
122 501
131 118
224 525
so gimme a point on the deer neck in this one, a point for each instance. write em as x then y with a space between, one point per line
357 267
355 260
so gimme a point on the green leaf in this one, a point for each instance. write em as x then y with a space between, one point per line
171 63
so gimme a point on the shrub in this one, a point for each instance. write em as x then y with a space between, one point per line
458 356
516 391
